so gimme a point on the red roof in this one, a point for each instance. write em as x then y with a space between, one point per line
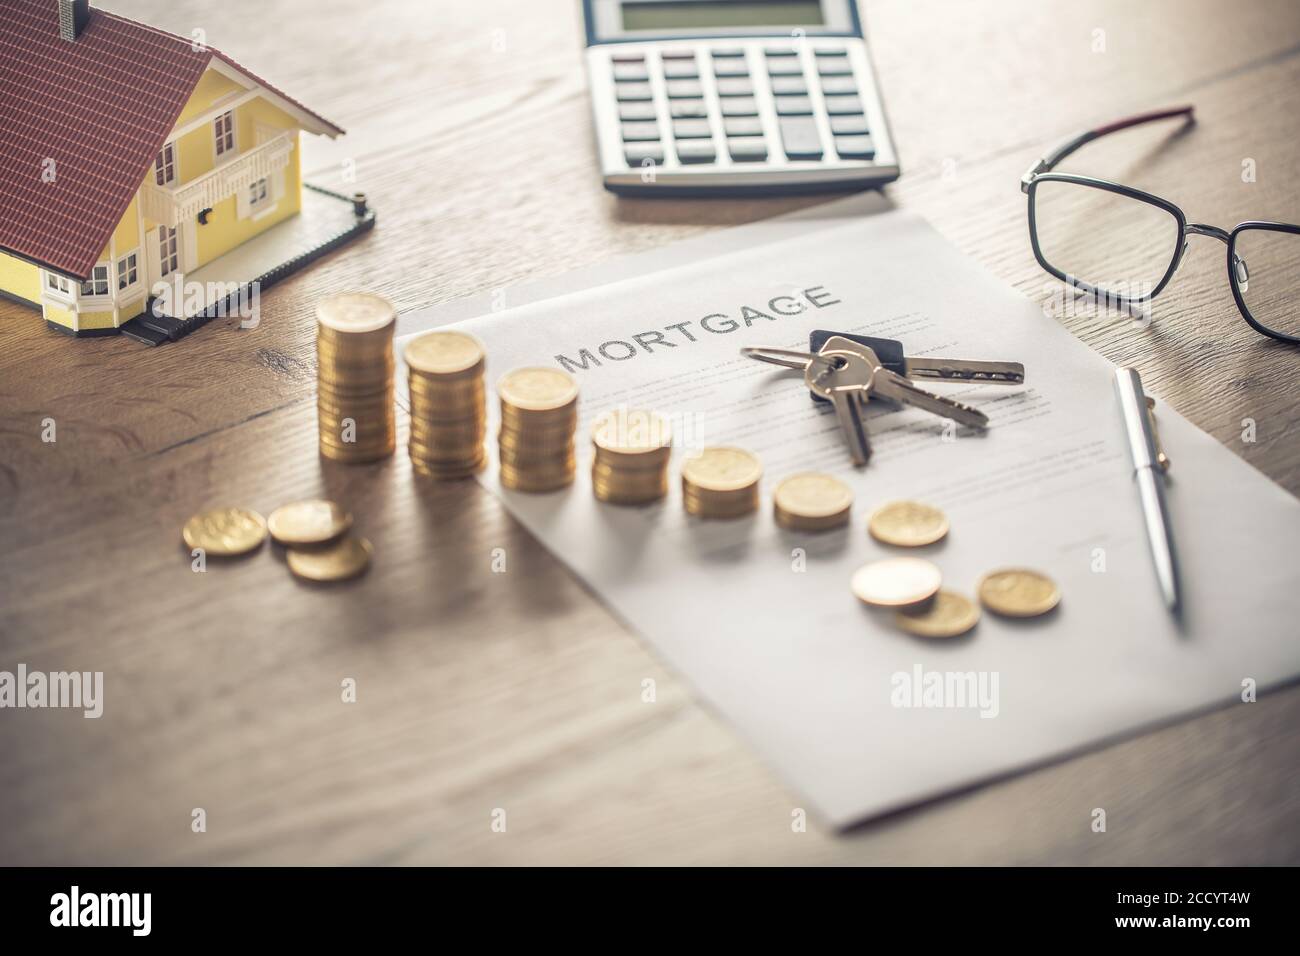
100 107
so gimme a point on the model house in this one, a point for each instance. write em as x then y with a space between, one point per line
128 155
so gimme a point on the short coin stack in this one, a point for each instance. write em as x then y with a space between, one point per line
811 501
721 482
539 414
632 451
354 383
448 404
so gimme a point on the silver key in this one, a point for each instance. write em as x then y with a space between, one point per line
944 369
883 383
843 381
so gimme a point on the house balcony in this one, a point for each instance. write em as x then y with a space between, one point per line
172 205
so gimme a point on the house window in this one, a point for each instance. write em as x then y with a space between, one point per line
224 129
97 284
167 257
58 283
164 165
127 273
258 193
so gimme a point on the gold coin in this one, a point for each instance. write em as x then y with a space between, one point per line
308 522
345 558
631 431
907 524
949 615
1018 592
896 582
444 353
355 313
722 469
537 389
812 501
225 532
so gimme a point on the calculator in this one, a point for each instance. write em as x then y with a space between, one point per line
726 97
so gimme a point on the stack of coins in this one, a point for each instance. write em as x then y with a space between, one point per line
539 413
811 501
632 450
721 482
354 379
448 404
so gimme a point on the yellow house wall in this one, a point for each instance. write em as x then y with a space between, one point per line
20 278
59 314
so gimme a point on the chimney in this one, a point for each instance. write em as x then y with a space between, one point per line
73 15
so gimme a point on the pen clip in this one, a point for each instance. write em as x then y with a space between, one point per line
1161 458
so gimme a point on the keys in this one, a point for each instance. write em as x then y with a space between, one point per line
928 369
879 382
842 380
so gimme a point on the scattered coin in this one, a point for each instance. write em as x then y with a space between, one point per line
308 522
949 615
896 582
345 558
225 532
721 482
811 501
1018 592
907 524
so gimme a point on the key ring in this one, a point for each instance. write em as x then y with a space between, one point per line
786 358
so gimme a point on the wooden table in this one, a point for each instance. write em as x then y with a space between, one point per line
519 691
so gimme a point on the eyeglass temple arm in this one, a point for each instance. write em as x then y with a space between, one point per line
1049 161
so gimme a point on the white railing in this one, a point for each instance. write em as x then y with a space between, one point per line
171 206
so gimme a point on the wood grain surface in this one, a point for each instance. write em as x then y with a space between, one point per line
468 128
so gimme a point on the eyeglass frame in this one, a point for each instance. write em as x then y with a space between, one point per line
1041 172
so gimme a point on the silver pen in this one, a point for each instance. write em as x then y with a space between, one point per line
1149 466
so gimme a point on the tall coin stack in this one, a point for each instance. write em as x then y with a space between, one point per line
448 404
721 482
539 413
632 450
354 377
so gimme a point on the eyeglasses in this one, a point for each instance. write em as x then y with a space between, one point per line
1123 245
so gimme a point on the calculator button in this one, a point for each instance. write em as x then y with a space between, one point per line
622 56
686 54
848 125
834 66
799 137
691 129
743 126
680 69
855 147
793 106
640 110
640 132
696 151
644 154
843 105
730 68
684 89
747 150
728 52
626 92
735 86
840 51
688 109
631 71
739 106
780 51
788 84
784 66
836 85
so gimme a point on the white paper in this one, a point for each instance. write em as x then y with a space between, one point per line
789 656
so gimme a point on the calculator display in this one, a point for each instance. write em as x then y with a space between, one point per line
711 14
